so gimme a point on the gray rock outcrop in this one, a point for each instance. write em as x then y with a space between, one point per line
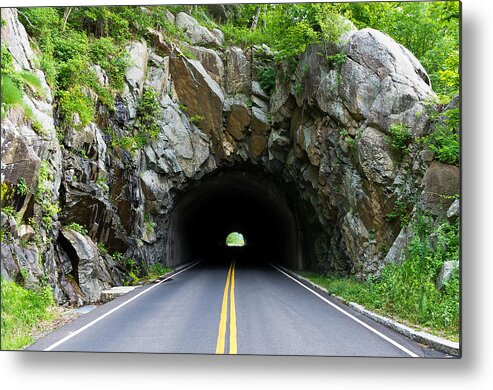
324 129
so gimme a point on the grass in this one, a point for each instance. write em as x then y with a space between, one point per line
22 312
156 270
366 294
11 94
407 291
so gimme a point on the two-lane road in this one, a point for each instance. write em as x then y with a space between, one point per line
230 308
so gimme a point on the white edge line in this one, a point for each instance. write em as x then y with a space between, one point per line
402 348
87 326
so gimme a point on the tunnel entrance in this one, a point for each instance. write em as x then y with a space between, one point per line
267 212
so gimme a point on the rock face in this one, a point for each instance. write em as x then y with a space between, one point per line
440 182
324 129
91 273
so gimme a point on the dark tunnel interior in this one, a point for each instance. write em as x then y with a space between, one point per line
249 203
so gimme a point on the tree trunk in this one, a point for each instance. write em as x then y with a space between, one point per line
255 17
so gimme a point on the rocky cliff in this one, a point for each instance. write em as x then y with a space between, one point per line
326 129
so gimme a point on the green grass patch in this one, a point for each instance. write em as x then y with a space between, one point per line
22 312
407 291
11 93
156 270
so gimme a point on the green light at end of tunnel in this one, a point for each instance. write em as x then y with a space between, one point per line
235 239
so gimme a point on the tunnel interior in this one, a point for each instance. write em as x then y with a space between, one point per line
253 204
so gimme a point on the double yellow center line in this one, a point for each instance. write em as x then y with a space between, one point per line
229 290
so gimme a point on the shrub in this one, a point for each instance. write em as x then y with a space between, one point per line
112 58
267 78
444 140
75 101
148 111
338 58
21 187
155 270
399 138
70 45
49 209
78 228
22 310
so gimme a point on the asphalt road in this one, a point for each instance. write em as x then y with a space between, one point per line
232 309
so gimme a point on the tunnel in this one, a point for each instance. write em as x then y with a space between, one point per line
267 212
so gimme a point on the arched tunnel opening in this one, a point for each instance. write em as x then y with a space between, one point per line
270 215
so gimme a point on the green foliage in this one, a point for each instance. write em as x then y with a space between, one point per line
348 140
21 187
112 58
156 270
74 103
49 208
78 228
187 53
407 291
32 81
146 126
401 212
196 119
399 138
5 194
267 78
338 58
444 139
102 183
22 310
150 225
148 111
11 93
102 248
286 28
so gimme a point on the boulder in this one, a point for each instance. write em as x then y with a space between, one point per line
198 34
446 273
453 211
441 183
190 146
9 268
135 76
358 88
381 54
156 191
328 100
375 157
211 62
158 76
258 91
278 145
219 36
398 249
355 236
260 121
26 232
257 145
238 117
200 94
238 72
17 41
92 275
19 162
72 290
392 83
